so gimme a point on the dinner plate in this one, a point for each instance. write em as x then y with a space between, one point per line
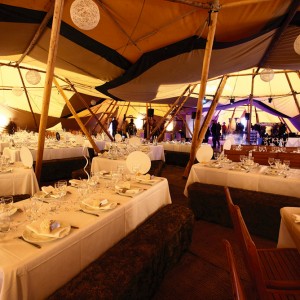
10 212
109 206
129 194
33 237
26 157
140 160
204 153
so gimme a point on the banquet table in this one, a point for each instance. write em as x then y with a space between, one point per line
255 180
289 231
49 153
293 142
19 180
30 273
177 146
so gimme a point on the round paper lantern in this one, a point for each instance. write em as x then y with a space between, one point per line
93 102
33 77
267 75
85 14
17 91
297 45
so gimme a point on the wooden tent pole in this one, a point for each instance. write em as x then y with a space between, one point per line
204 77
256 115
230 122
293 92
72 110
102 116
90 118
28 100
159 123
58 10
88 108
250 110
211 110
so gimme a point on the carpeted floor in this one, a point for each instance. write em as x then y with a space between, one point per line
202 272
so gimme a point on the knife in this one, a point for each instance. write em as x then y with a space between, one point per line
33 244
89 213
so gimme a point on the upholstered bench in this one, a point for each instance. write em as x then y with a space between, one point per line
261 211
135 267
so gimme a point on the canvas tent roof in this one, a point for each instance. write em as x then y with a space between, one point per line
149 51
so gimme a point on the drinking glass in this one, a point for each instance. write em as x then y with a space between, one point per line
4 223
217 155
286 164
7 202
277 163
242 158
271 161
61 186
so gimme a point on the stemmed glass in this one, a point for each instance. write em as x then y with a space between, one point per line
286 164
242 158
271 161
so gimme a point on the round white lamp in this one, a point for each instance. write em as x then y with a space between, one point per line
267 74
33 77
85 14
297 45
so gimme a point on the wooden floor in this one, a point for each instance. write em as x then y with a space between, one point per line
202 272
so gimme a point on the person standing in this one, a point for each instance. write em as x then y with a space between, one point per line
224 130
216 133
114 125
131 128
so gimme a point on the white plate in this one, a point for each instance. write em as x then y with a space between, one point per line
30 236
26 157
140 159
204 153
108 206
129 194
10 212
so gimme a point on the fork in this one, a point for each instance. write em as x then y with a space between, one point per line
33 244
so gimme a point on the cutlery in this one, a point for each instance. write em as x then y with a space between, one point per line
74 227
89 213
33 244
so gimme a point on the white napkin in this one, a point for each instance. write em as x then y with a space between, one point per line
129 191
75 181
48 189
297 218
95 203
56 233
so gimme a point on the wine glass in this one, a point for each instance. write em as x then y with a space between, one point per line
242 158
271 161
286 164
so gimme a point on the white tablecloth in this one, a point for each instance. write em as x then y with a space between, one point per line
289 232
19 181
255 180
30 273
3 145
293 142
49 153
179 147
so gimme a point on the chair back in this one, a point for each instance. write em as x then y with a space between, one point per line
237 289
250 251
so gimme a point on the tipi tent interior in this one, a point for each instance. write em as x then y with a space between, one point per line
130 57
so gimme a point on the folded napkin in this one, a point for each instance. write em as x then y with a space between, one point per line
95 203
104 172
297 218
48 189
144 177
75 181
49 228
129 191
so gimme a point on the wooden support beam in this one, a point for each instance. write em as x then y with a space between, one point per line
90 111
28 100
102 116
58 10
204 78
72 110
38 33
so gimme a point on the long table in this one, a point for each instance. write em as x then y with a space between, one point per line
289 232
254 180
20 180
30 273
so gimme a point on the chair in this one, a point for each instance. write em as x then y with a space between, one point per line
237 289
274 268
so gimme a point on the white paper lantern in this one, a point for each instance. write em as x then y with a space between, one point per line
33 77
17 91
93 102
85 14
267 74
297 45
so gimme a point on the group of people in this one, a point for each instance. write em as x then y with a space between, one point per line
126 128
217 131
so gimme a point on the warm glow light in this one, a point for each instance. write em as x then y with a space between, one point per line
3 121
170 127
139 122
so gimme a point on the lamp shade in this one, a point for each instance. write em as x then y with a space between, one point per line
267 74
85 14
33 77
17 91
297 45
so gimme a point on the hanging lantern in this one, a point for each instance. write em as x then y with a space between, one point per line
17 91
85 14
297 45
93 102
33 77
267 75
